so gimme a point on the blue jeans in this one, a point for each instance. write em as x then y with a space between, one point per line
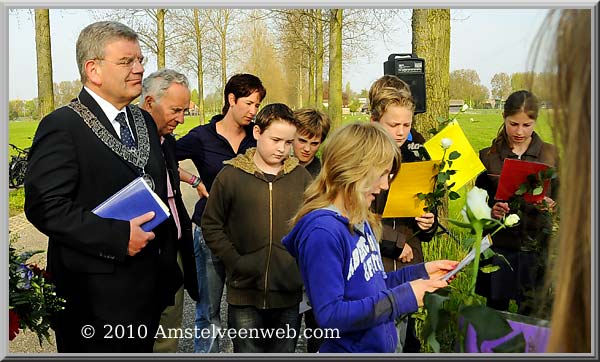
249 317
211 279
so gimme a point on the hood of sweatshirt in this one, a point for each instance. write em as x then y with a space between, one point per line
245 162
294 241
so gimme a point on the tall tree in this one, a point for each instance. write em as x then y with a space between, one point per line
431 41
263 60
160 38
319 59
154 28
44 61
501 86
466 85
221 19
199 65
335 66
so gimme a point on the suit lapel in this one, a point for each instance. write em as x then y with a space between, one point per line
87 100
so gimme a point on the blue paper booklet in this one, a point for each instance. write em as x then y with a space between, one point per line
133 200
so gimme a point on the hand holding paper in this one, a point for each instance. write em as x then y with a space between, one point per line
485 244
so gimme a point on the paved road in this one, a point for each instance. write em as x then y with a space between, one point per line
31 239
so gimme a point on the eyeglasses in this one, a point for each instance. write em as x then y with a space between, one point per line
127 62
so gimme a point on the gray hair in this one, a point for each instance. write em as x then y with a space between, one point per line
157 83
94 38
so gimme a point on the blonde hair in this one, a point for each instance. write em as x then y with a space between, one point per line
387 97
354 155
388 80
571 100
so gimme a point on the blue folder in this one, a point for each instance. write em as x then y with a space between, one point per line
133 200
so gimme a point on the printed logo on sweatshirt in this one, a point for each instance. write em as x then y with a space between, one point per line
366 253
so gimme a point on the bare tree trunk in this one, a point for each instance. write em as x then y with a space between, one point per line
319 60
335 67
311 59
200 70
160 38
431 41
44 61
300 84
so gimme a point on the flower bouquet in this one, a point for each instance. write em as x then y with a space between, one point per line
32 298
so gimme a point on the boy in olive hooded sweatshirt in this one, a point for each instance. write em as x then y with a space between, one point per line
246 216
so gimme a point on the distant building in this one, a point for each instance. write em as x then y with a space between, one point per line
454 105
193 109
488 104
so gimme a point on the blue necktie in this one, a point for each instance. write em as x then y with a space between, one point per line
126 136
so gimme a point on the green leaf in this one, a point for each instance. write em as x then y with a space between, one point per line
487 253
443 177
441 119
516 344
454 155
521 190
453 195
538 190
468 242
451 172
434 303
489 268
487 322
460 224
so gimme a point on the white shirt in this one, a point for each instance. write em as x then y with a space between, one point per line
110 111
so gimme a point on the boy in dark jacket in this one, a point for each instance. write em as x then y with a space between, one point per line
246 216
392 106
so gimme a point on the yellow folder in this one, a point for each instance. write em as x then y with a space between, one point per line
467 166
414 177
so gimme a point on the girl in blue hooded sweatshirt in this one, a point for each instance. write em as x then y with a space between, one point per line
334 240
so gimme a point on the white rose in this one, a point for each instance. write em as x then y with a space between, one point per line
477 203
511 220
446 143
464 107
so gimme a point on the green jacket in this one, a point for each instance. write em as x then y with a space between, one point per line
246 217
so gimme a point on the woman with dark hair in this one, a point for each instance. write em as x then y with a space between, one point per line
523 248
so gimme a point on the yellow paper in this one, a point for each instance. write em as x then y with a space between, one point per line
467 166
414 177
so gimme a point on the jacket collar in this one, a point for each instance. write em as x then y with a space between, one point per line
245 162
533 151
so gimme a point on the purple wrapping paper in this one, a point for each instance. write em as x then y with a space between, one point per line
536 333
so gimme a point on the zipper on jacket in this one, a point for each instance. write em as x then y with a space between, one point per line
270 240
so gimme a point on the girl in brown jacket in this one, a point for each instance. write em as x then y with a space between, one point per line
523 246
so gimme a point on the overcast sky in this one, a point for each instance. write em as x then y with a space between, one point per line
486 40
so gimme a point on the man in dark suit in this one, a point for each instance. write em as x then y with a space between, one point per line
166 96
115 277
